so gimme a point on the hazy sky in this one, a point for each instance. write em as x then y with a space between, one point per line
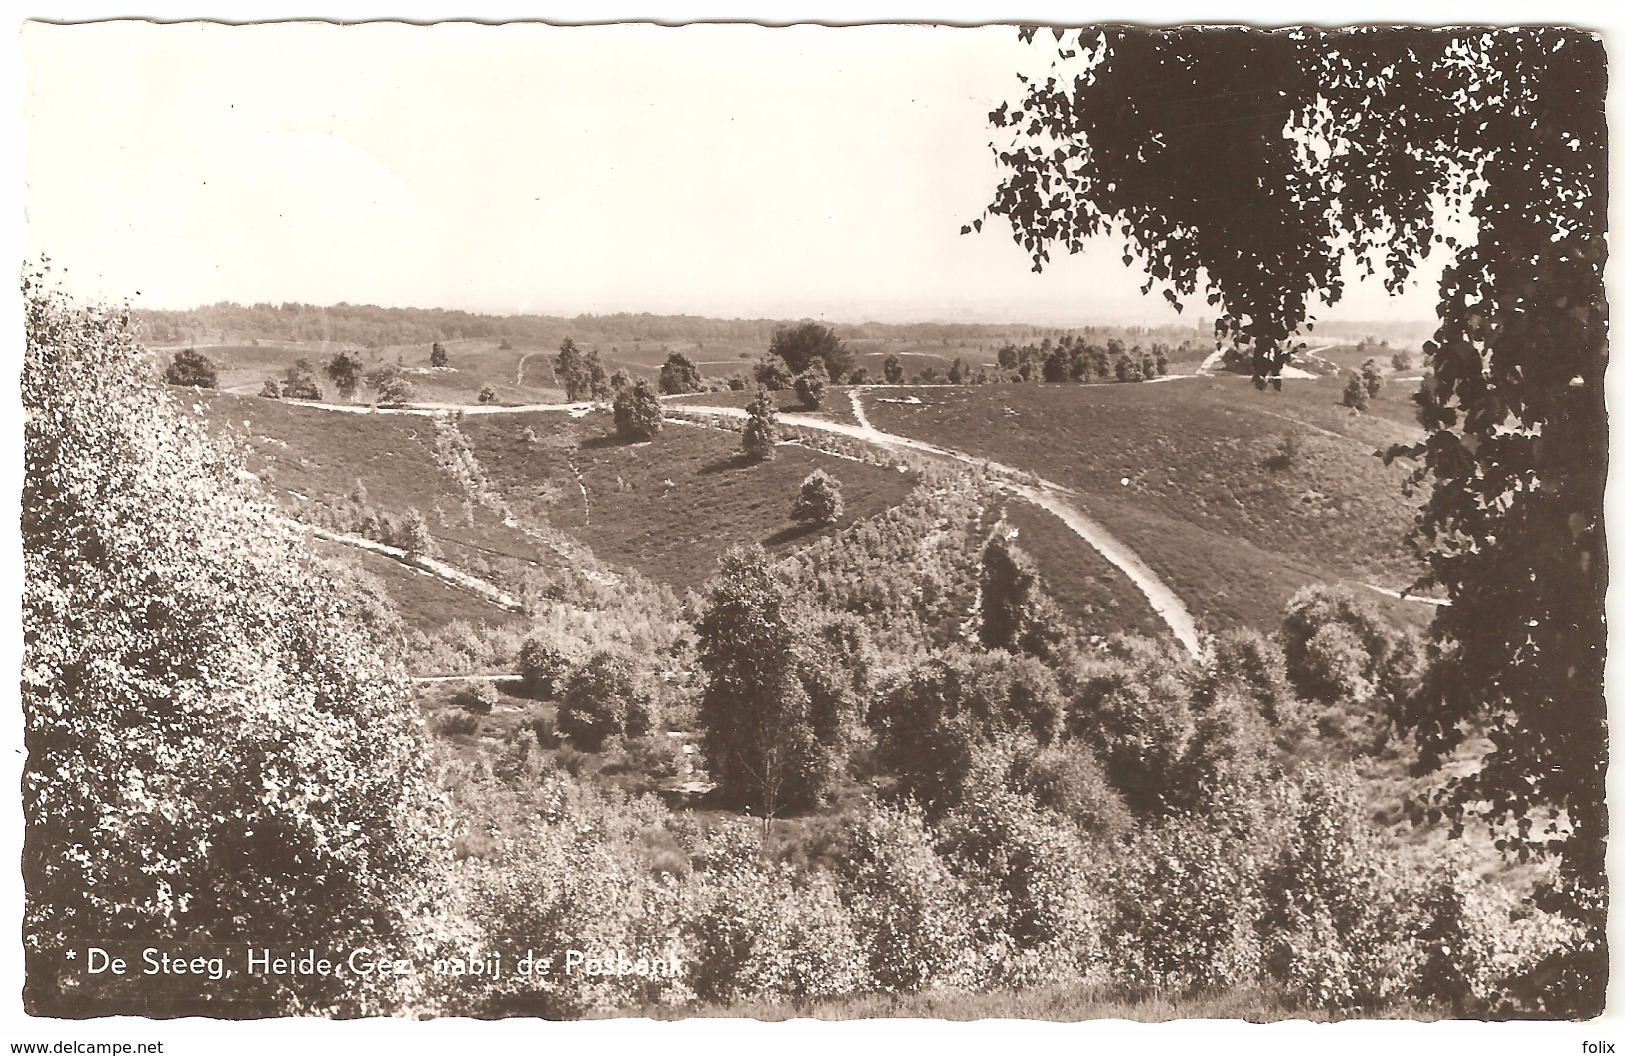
713 170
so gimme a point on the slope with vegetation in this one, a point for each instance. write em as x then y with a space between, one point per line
1210 490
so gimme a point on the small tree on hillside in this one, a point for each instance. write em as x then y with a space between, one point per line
598 382
893 370
619 380
542 667
760 743
819 501
1371 377
679 375
344 371
437 355
761 427
392 385
272 389
414 535
1015 613
299 382
191 367
570 367
487 393
1354 393
812 385
1401 361
771 373
638 413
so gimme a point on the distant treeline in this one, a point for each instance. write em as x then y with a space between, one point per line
370 326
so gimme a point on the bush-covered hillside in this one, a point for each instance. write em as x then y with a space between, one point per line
858 774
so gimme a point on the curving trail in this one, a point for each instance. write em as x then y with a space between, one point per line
1045 494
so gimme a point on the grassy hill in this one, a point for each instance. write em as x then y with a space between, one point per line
669 507
1237 497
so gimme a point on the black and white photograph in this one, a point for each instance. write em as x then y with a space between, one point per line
925 523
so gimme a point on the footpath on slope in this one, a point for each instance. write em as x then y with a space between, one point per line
440 570
1047 495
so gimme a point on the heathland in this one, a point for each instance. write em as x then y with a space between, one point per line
859 671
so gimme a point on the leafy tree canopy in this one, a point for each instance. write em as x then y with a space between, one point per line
1245 165
222 745
191 367
799 345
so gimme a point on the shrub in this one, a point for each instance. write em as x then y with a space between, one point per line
456 723
1134 710
892 368
392 385
1371 377
1355 394
1334 901
637 412
437 356
1067 779
299 382
1246 662
487 394
819 501
542 668
761 428
569 873
1184 908
772 375
272 389
679 375
1037 917
910 912
932 717
478 698
191 367
413 535
603 697
1363 655
812 385
344 371
755 932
